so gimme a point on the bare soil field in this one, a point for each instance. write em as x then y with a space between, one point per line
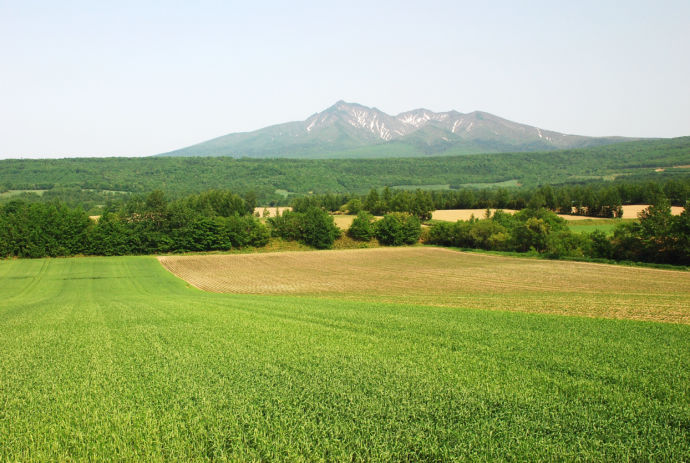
631 211
344 222
443 277
453 215
272 210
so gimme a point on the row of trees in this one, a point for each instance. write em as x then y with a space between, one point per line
418 203
215 220
658 236
394 229
594 199
312 226
220 220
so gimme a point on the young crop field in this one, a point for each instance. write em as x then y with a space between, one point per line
107 359
438 276
604 225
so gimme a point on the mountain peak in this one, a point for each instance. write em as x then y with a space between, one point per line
348 127
342 104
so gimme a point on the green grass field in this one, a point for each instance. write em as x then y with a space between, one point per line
589 225
116 359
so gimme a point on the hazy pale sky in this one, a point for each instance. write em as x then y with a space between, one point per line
132 78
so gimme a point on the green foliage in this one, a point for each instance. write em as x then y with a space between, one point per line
533 228
362 227
353 206
319 230
603 200
313 227
600 245
418 203
39 230
145 224
94 182
287 225
488 234
219 203
658 236
397 228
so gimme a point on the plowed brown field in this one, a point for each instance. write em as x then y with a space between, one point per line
436 276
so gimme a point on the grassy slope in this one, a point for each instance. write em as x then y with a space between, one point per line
114 358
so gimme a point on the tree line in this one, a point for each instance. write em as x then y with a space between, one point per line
657 237
222 220
592 200
145 224
273 179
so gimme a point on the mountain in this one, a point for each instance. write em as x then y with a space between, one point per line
351 130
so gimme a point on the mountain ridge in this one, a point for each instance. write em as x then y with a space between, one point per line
350 130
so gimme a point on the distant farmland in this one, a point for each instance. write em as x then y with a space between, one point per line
452 215
436 276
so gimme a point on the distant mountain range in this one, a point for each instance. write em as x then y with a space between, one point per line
350 130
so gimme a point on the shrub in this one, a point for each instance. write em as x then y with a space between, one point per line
314 227
398 228
319 229
361 228
353 206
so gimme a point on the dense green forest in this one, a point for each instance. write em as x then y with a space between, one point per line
145 224
96 182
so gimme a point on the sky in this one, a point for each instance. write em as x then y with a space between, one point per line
136 78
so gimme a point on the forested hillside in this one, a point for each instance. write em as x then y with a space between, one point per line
272 180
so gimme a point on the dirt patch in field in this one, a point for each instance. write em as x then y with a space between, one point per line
344 222
437 276
272 210
453 215
631 211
